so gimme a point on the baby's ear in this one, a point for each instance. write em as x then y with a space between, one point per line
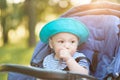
50 44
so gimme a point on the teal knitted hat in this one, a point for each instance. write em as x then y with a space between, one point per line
59 25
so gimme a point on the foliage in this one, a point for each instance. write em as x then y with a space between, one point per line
43 8
3 4
16 14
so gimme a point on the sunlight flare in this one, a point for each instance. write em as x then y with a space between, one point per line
79 2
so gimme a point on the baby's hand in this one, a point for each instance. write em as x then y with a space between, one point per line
65 54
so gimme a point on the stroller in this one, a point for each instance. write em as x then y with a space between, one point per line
102 47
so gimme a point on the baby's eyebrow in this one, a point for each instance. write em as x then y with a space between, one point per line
60 39
73 39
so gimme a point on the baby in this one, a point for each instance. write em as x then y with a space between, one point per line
64 35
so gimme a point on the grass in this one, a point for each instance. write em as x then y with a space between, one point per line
15 54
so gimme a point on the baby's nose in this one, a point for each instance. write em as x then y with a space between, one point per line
67 45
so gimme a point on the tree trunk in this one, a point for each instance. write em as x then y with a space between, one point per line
3 6
5 31
30 11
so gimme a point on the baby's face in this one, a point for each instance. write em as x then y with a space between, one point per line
64 42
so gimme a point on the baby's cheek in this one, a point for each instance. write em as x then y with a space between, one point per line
59 49
73 51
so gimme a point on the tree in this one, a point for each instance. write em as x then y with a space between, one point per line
3 6
31 14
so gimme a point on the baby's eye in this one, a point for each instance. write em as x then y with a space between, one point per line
60 41
72 41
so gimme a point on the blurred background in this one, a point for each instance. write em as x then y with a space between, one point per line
20 23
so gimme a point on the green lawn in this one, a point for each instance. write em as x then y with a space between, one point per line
15 54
